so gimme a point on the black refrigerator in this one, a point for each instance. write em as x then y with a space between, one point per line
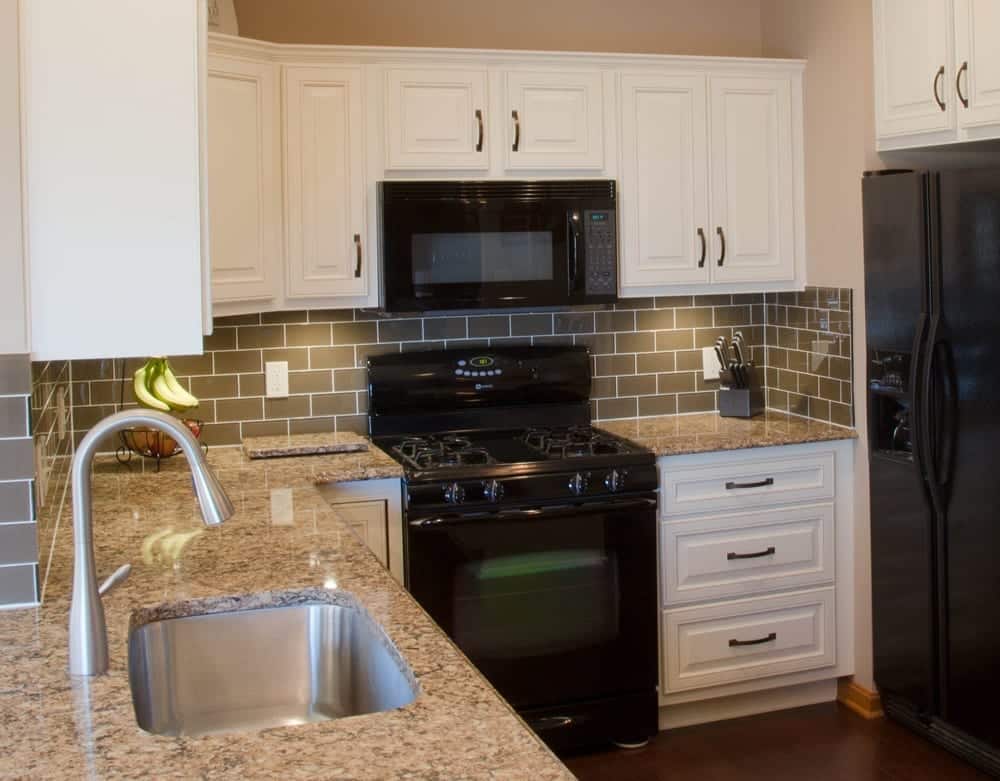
932 275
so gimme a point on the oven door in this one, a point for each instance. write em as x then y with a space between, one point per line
470 254
553 605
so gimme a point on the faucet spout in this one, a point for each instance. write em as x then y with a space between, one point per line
88 636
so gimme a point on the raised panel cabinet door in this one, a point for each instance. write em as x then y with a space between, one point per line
753 196
436 119
977 75
324 183
554 120
368 521
244 173
913 67
664 180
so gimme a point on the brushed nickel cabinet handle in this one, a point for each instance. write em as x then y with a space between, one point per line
704 248
958 83
479 119
722 239
517 131
937 95
357 247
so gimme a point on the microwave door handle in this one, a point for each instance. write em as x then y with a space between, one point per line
572 219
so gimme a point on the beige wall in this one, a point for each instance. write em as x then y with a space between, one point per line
836 39
719 27
13 320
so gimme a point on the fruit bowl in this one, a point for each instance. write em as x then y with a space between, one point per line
152 443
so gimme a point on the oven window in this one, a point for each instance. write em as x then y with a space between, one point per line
504 607
481 257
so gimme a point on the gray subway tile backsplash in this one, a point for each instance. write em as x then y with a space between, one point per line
18 543
19 585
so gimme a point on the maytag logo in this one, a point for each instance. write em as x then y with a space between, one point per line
484 386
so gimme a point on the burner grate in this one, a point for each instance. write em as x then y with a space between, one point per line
573 442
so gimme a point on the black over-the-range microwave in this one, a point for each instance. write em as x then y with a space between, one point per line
489 244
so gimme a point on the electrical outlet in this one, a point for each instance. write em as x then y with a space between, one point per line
710 363
282 507
276 379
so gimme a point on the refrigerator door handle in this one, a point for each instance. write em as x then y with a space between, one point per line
944 363
925 434
916 404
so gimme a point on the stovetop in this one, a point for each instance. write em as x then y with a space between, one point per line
491 453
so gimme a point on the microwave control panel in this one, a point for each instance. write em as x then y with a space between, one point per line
602 252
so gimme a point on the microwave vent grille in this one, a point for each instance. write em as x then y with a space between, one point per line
603 189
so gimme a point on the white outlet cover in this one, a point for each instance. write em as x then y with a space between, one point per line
710 363
282 507
276 379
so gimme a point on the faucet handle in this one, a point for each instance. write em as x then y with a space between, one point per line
116 578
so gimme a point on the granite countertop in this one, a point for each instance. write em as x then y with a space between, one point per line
54 726
672 435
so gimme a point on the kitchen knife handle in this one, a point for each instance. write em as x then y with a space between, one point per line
759 641
937 95
722 239
704 248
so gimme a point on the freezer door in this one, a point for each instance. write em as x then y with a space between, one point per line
970 304
896 230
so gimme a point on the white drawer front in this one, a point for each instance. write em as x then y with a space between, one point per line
742 483
747 639
748 553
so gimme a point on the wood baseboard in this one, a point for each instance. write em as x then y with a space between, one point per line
862 701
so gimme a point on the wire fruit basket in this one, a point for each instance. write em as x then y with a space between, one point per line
153 444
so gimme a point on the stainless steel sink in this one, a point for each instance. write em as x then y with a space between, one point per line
270 667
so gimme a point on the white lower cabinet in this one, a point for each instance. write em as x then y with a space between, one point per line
756 577
373 511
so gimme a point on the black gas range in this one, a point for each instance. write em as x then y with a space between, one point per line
530 534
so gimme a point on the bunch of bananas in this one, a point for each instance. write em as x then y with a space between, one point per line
156 387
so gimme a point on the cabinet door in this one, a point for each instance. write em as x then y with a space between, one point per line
913 67
977 36
664 180
436 119
554 120
324 182
244 174
368 521
753 191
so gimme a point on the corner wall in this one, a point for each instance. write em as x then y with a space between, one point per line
836 39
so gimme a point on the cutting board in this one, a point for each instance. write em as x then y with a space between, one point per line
285 446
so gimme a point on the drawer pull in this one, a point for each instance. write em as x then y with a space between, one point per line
757 555
758 641
762 484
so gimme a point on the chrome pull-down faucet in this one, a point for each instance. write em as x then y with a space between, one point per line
88 634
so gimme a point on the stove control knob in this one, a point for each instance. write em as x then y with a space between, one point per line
615 481
493 490
578 484
454 494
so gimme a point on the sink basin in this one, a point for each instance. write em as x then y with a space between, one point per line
269 667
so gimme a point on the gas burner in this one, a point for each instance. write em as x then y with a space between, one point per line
441 450
573 442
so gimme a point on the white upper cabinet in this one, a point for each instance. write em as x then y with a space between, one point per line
753 195
914 70
436 119
112 167
664 173
554 120
937 72
711 183
977 54
325 191
244 168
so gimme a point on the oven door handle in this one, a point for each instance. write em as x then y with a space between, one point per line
553 511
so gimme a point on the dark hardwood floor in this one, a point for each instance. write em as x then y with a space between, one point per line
815 743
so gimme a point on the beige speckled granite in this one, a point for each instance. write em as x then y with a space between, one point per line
672 435
286 445
52 726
